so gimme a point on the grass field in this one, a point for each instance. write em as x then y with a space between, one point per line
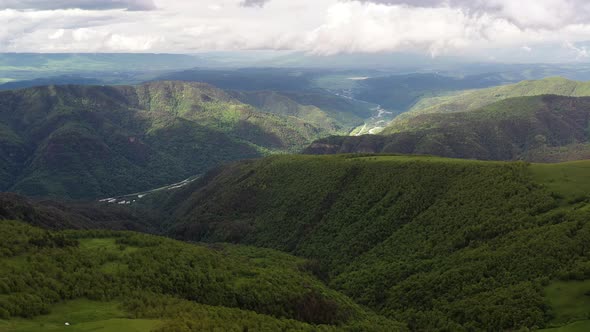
571 179
82 315
570 300
108 244
424 158
581 326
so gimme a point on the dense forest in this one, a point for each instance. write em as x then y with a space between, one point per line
439 244
187 287
431 243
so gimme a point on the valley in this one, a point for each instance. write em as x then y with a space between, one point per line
132 198
134 138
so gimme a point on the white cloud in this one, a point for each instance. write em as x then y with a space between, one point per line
77 4
580 52
215 7
525 13
435 27
57 34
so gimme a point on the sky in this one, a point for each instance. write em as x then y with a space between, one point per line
522 30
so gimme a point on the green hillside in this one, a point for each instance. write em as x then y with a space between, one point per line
476 99
321 109
540 128
398 93
97 141
106 281
440 244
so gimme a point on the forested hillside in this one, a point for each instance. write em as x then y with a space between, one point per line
121 281
472 100
321 109
96 141
440 244
541 128
399 93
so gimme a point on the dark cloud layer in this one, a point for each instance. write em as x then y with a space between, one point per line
138 5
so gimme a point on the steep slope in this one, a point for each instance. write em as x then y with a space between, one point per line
398 93
174 285
541 128
248 79
476 99
441 244
323 110
97 141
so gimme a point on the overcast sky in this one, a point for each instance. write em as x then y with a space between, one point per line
483 28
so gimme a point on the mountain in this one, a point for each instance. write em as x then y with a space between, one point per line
123 281
473 100
440 244
384 243
97 141
541 128
399 93
248 79
321 109
56 80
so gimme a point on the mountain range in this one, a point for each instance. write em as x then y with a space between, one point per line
91 141
514 122
265 239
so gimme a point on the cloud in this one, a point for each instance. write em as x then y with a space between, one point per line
491 28
254 3
139 5
581 52
524 13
